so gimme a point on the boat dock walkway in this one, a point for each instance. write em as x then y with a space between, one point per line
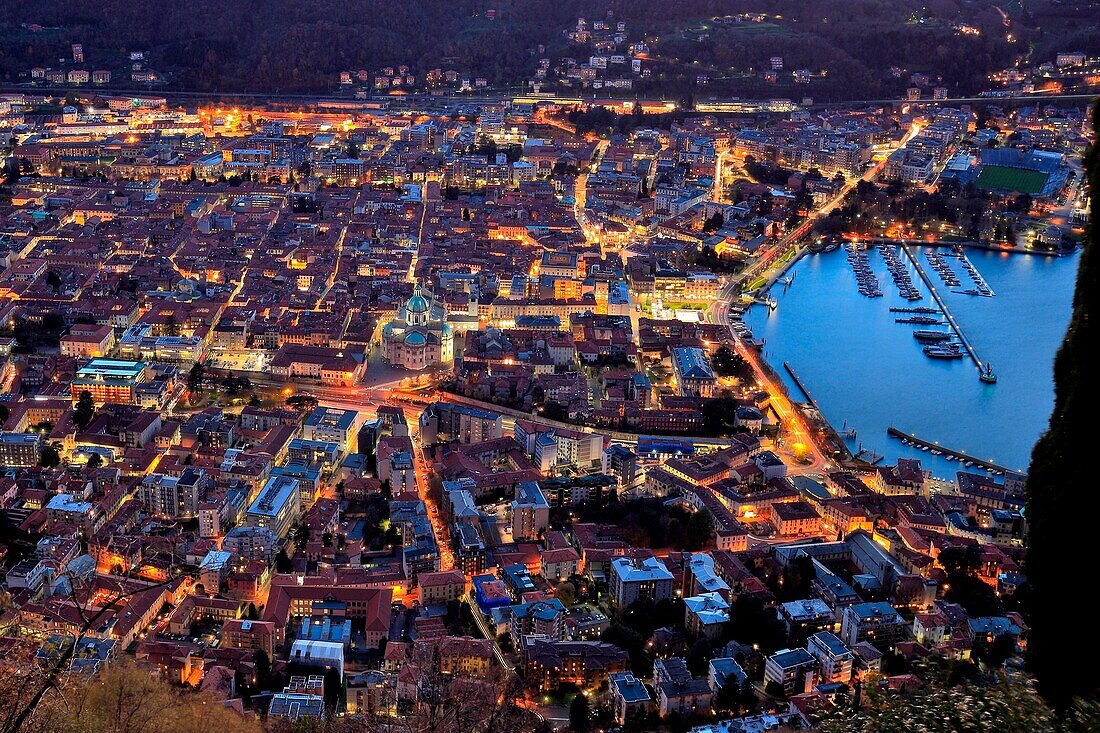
960 455
801 387
943 307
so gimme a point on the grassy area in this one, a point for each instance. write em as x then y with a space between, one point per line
756 284
1003 178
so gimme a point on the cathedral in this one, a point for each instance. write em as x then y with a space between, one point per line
419 338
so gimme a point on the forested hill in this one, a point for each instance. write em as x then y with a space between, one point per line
302 45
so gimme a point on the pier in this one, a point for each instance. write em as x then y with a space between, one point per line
959 455
842 452
946 313
801 387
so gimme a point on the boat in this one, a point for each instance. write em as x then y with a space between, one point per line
928 334
924 447
944 351
831 247
936 452
969 464
987 375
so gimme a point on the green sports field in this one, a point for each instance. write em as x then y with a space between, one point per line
1020 180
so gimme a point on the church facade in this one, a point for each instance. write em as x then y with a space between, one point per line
419 338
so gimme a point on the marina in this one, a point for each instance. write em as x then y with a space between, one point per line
898 273
866 279
985 372
981 287
835 338
938 263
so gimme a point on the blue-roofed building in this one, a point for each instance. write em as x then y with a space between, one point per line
536 323
277 507
706 614
694 376
724 670
795 670
489 593
833 589
517 578
835 660
331 425
307 474
109 380
629 695
530 512
419 338
538 617
631 580
810 614
988 628
878 623
445 421
321 452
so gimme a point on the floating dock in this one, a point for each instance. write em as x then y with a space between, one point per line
960 455
946 313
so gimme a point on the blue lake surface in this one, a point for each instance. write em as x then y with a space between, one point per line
868 372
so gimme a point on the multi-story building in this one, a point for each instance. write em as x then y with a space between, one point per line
109 380
834 659
694 376
634 580
441 587
277 507
877 623
541 618
678 691
548 664
176 497
629 695
251 543
794 670
328 424
20 450
622 463
530 512
246 634
443 421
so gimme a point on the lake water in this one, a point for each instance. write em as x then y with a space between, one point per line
868 372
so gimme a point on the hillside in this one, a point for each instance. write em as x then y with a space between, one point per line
295 46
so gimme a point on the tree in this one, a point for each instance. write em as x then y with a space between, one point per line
95 461
49 457
566 592
261 663
195 377
580 714
727 362
84 410
283 563
1006 703
1057 512
124 698
699 657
